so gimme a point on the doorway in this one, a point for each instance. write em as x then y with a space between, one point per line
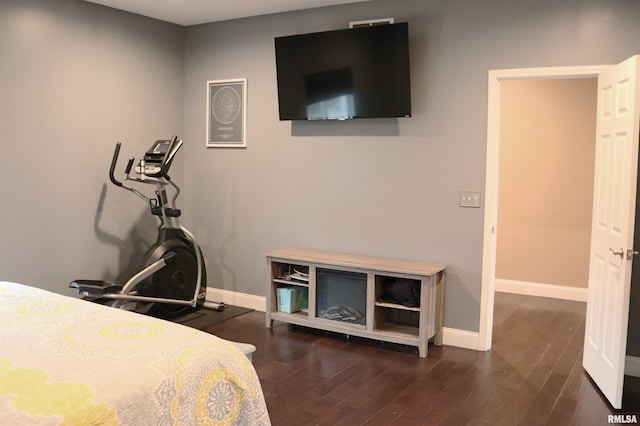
545 203
496 79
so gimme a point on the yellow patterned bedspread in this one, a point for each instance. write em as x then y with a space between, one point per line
65 361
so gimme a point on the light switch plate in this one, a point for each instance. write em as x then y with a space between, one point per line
470 199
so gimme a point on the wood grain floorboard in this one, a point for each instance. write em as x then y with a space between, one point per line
532 376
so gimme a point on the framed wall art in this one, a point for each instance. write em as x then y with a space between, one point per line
226 113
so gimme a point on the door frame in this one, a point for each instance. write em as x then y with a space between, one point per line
496 77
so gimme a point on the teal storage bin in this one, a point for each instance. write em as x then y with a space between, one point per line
292 299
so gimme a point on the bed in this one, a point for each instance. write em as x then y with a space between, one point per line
71 362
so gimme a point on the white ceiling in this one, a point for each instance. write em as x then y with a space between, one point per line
192 12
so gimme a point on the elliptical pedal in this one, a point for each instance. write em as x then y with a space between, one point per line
95 286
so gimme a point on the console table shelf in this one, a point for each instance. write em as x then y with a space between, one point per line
349 294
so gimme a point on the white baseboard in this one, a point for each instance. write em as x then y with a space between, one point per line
234 298
460 338
632 366
542 290
450 336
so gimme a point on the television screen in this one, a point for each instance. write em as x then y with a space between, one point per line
344 74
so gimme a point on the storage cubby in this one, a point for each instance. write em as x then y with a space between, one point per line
397 305
285 275
384 299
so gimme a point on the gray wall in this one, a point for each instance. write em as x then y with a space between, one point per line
74 79
375 187
84 76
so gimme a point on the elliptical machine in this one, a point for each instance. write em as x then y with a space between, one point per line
173 277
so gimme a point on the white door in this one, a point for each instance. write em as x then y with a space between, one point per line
613 227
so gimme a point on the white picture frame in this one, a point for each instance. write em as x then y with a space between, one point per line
227 113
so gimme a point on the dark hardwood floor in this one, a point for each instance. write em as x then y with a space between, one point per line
532 376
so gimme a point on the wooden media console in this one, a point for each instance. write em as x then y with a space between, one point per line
354 295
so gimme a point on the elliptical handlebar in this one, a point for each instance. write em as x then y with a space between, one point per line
116 182
114 160
129 166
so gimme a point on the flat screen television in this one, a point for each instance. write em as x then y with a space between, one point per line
344 74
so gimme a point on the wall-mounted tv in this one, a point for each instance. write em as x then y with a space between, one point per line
337 75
